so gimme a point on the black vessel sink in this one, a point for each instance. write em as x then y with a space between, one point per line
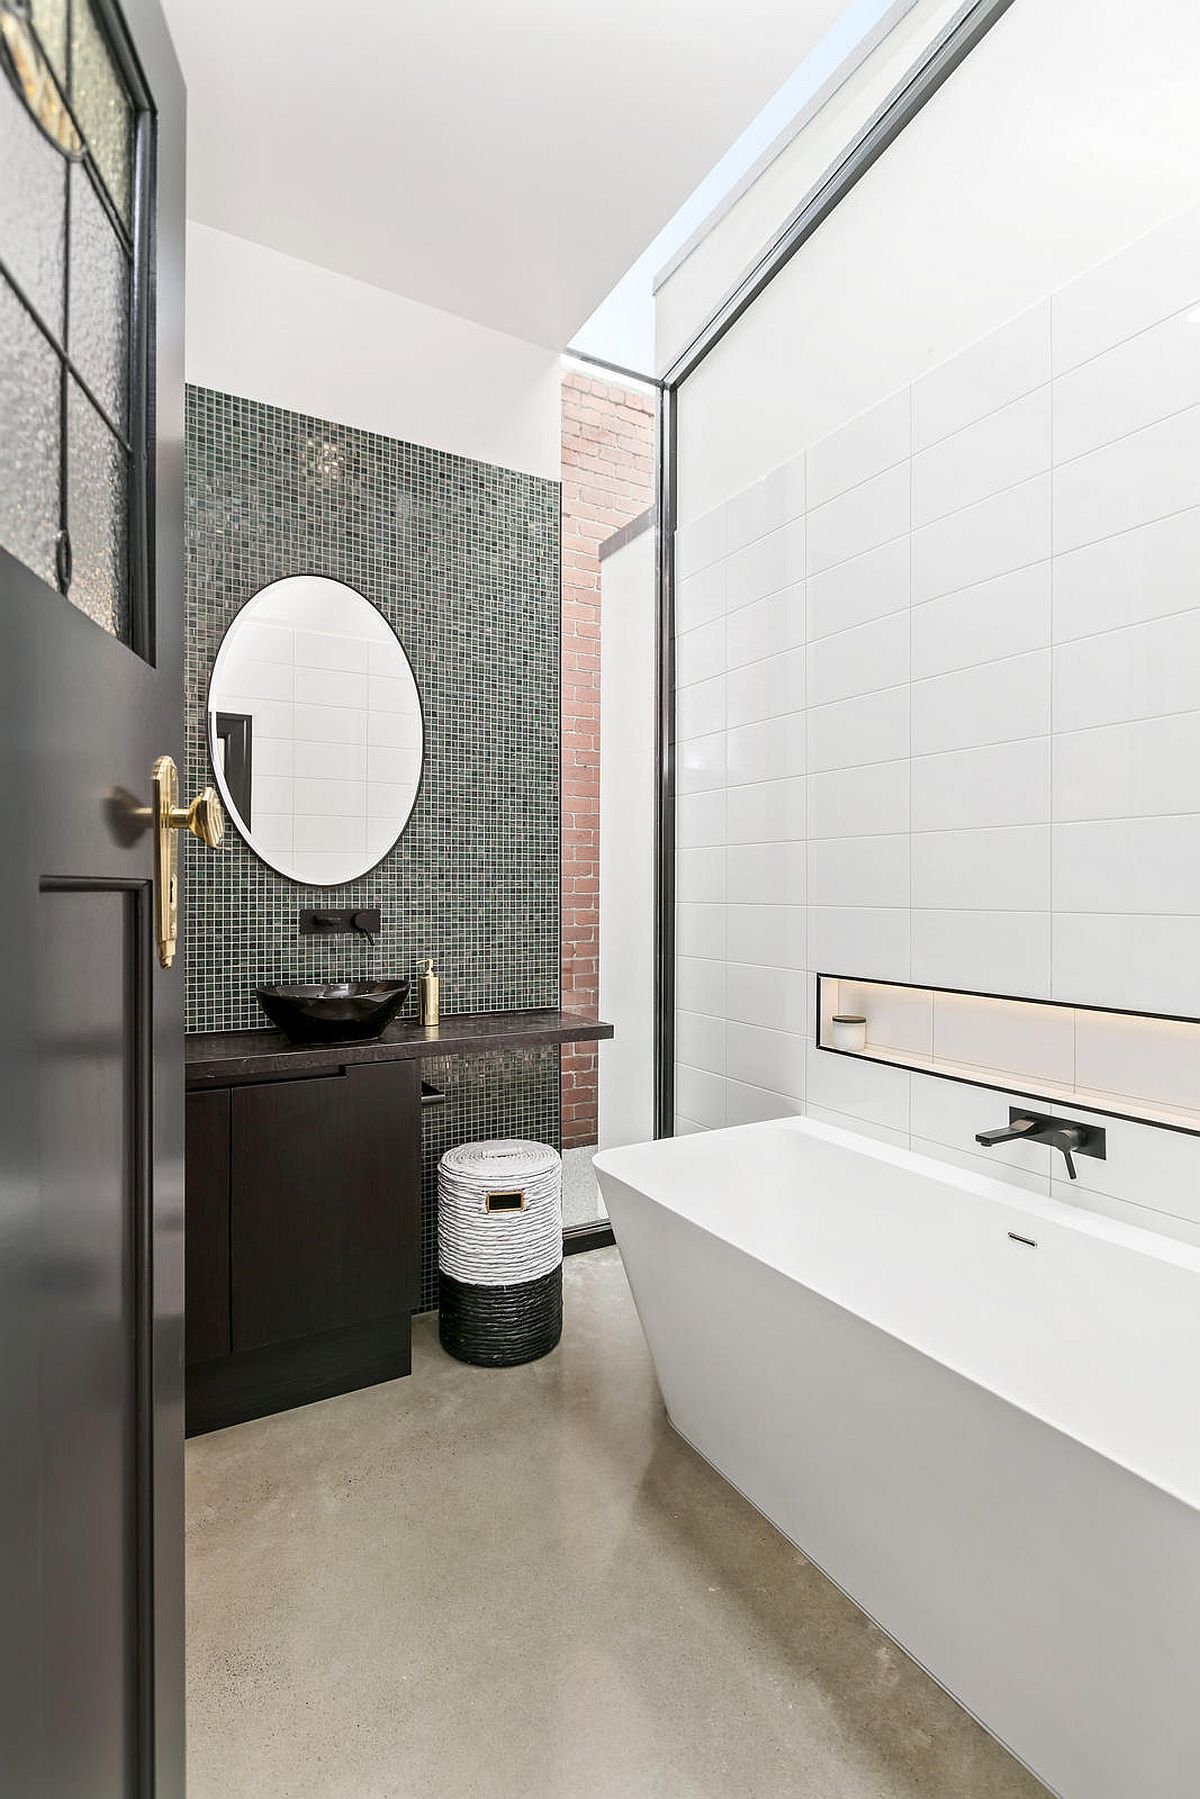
333 1011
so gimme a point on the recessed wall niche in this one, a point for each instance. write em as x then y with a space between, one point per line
1131 1065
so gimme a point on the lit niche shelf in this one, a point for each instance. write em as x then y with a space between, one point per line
1136 1065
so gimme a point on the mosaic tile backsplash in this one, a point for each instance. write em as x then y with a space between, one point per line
462 558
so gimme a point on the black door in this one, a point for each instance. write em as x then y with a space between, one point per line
91 1102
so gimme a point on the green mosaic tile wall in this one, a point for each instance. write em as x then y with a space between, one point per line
463 560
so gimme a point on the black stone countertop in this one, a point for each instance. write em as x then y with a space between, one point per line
227 1057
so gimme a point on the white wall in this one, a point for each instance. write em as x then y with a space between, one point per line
627 806
272 328
938 723
1072 128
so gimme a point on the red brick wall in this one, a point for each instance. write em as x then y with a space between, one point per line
608 478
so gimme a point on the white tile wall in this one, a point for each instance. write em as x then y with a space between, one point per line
939 722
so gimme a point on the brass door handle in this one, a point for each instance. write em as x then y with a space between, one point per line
204 818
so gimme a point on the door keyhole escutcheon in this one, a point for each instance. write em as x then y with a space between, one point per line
204 818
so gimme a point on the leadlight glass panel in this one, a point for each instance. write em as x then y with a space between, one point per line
29 439
98 321
102 106
97 516
33 196
50 23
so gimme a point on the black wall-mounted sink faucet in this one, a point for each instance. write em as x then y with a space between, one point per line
1064 1134
329 920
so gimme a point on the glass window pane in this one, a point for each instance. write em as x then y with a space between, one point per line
29 439
101 106
50 23
98 517
98 321
33 198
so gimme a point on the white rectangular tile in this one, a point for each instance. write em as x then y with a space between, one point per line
1146 671
272 718
699 542
273 756
754 1105
1007 447
866 587
1143 964
858 520
1140 769
700 1096
330 761
394 730
1004 617
776 998
328 832
700 930
859 661
1000 784
765 689
859 802
700 985
771 874
1143 574
766 751
1149 865
767 811
948 1114
870 942
998 369
319 868
866 1090
858 1127
329 796
987 952
773 1060
1147 281
700 819
686 1127
766 506
700 654
700 763
769 936
868 445
700 1041
1002 870
381 656
770 627
1023 1042
391 693
272 793
1153 1172
1144 379
325 649
980 1162
1154 1059
766 565
389 763
899 1019
265 643
700 874
700 598
390 800
272 833
330 724
1005 532
859 871
1142 477
700 708
995 703
261 679
849 733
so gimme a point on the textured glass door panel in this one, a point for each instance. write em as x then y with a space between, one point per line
29 439
102 106
97 517
33 200
50 23
98 322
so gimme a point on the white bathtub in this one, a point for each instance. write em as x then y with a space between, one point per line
993 1448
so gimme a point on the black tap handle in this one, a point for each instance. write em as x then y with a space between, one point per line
1069 1159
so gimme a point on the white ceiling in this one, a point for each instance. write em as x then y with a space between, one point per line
505 160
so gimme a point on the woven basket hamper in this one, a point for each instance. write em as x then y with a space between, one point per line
500 1252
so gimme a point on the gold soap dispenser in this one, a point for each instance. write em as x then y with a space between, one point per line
430 995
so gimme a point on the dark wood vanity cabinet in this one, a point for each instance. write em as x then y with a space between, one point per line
302 1237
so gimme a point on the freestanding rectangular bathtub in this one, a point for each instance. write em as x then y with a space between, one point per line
976 1410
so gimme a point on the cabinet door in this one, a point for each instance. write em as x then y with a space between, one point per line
206 1227
326 1198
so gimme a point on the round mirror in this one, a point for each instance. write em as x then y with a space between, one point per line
315 730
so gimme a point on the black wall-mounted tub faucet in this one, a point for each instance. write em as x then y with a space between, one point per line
1064 1134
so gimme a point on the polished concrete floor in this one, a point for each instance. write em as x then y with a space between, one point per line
485 1585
